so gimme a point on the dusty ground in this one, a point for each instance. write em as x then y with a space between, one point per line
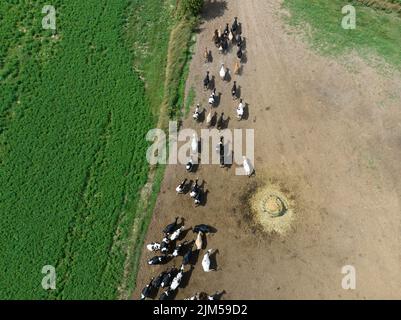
331 136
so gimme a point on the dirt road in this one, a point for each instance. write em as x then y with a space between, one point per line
329 135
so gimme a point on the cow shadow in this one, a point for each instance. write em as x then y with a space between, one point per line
186 277
202 116
224 123
204 241
238 96
195 167
213 260
243 44
183 234
228 75
214 120
195 257
228 165
212 83
187 187
218 99
199 145
244 58
210 57
246 112
203 200
190 184
239 29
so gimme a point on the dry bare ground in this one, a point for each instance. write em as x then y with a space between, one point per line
329 135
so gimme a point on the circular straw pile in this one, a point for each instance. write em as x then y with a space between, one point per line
272 209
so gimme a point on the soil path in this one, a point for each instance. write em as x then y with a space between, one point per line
329 135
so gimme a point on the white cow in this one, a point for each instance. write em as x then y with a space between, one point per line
240 110
222 72
194 144
176 233
206 261
154 246
248 167
198 241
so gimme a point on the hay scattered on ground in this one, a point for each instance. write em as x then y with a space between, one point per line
273 209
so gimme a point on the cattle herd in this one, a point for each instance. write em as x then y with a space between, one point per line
172 278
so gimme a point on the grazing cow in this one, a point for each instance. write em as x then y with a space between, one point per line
221 47
197 113
171 227
206 261
168 277
235 25
212 98
177 279
190 165
240 110
178 250
234 91
194 144
181 187
158 260
198 199
206 55
157 282
174 236
220 146
147 291
216 296
248 167
165 245
226 30
167 295
222 163
222 72
237 68
206 81
194 297
195 189
239 54
238 40
216 38
154 246
199 241
187 257
224 45
231 36
202 228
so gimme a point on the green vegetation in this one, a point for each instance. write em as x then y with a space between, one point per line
190 7
178 57
386 5
377 32
73 120
168 104
189 102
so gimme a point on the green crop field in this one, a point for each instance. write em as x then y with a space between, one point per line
74 113
377 33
